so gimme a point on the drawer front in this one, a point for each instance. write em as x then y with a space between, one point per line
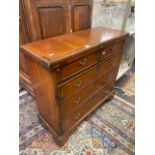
111 49
79 65
79 82
84 94
109 64
81 112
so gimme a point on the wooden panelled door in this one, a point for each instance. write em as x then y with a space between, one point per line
51 18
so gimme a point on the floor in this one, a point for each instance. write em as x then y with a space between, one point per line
125 87
108 131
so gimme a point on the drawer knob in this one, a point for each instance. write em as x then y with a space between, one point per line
83 62
77 116
77 100
79 83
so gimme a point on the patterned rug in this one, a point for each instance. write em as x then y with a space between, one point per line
108 131
129 86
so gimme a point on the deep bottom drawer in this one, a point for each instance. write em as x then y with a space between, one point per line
82 111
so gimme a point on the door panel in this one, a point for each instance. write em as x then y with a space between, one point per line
46 18
52 21
81 15
22 63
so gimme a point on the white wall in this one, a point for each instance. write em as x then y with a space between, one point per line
111 16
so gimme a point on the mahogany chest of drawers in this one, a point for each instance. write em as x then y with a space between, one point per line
72 75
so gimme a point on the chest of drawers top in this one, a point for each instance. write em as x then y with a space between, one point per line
54 50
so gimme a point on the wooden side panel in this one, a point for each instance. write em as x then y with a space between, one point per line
43 86
52 21
22 57
81 16
23 38
23 63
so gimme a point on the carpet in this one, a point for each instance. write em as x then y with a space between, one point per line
108 131
129 86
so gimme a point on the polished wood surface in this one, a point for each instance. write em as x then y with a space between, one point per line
79 65
43 85
81 17
109 50
53 50
49 18
75 84
81 95
72 75
73 116
40 19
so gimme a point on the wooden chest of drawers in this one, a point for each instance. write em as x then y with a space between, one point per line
72 75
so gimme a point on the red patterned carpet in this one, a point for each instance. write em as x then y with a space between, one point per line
108 131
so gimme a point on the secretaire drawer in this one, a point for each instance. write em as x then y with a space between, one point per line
109 50
84 94
79 65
